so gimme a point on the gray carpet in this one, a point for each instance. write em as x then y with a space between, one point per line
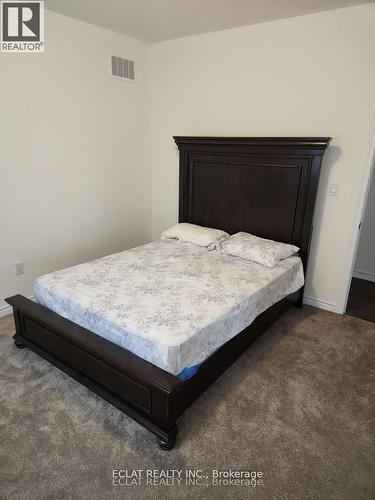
301 410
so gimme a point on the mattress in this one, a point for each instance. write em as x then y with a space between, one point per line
169 302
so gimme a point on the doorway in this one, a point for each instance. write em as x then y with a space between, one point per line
361 299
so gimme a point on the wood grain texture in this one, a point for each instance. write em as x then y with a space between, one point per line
266 186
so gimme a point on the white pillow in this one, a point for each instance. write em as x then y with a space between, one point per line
250 247
199 235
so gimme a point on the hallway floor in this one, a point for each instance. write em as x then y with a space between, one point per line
361 302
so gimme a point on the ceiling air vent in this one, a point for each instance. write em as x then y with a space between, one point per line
122 68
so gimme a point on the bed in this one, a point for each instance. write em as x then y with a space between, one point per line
264 186
170 302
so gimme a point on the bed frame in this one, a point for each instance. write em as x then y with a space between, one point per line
266 186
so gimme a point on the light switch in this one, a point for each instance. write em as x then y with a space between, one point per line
18 266
333 189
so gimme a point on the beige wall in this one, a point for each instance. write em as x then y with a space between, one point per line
310 75
74 152
75 155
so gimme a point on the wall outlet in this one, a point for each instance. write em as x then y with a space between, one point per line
19 267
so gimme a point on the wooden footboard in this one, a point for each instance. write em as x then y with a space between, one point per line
151 396
138 388
261 185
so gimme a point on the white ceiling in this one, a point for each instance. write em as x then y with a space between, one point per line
157 20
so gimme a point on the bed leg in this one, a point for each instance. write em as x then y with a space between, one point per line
299 302
169 441
17 343
17 323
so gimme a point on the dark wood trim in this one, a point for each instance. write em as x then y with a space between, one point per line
231 182
149 395
216 364
119 358
310 143
135 386
110 371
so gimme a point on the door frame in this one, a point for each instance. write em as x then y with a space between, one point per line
356 230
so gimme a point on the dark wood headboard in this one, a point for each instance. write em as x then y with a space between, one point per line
265 186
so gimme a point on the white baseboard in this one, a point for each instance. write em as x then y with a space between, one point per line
321 304
5 310
362 275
